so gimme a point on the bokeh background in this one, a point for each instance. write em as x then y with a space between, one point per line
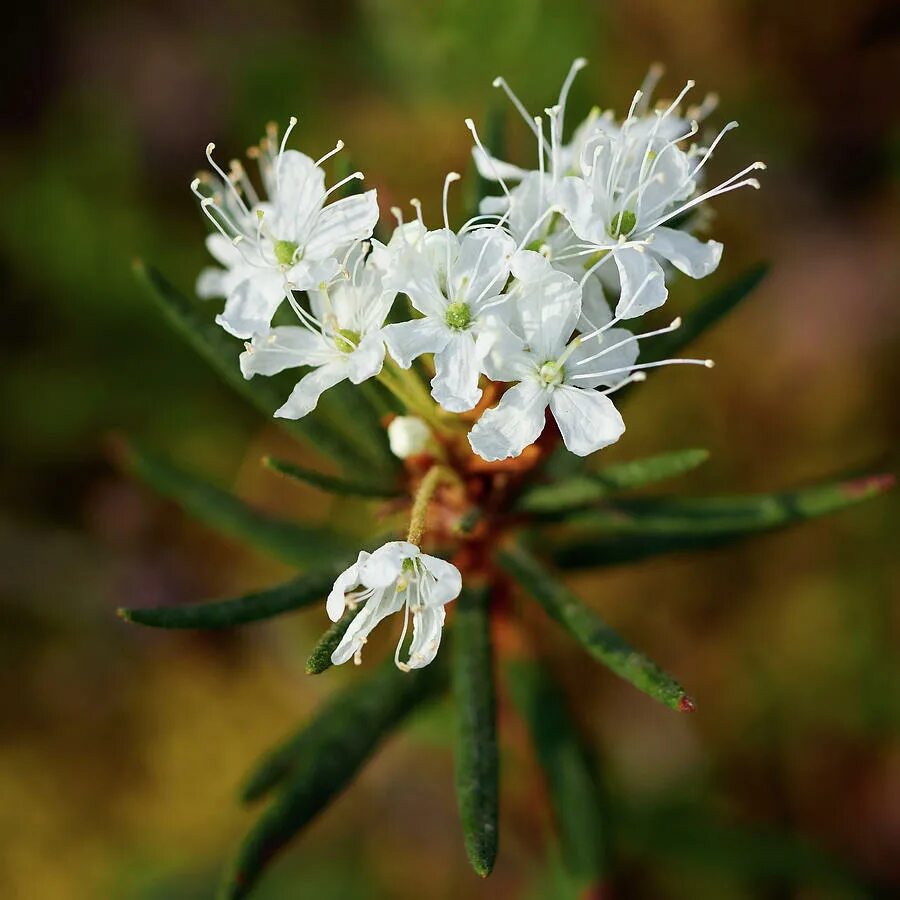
120 749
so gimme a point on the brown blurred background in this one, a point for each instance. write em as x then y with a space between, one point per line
120 749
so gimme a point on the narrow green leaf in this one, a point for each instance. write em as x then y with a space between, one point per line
288 541
331 483
221 351
633 529
583 490
476 738
320 659
575 794
319 761
705 314
292 595
592 632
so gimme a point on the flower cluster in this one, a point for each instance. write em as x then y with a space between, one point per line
530 296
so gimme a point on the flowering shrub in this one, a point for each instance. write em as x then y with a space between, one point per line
485 364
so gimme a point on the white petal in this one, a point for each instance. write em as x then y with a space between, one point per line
347 580
576 199
341 223
368 358
408 340
427 625
298 196
595 311
251 305
223 251
493 169
639 295
309 388
482 266
382 604
383 567
457 367
529 265
548 310
309 274
508 428
587 419
283 348
694 257
448 581
506 359
530 202
212 283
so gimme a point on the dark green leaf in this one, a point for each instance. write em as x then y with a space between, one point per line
330 483
220 350
293 543
629 530
476 739
705 314
575 794
320 658
592 632
583 490
320 760
294 594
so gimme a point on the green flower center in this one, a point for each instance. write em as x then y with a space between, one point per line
458 316
284 252
622 223
346 340
552 373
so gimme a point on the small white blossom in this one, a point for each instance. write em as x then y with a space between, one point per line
341 336
534 350
408 436
397 576
452 281
294 240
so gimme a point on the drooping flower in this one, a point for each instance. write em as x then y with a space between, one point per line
293 240
535 349
341 336
397 576
452 281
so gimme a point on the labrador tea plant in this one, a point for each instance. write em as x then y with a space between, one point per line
459 382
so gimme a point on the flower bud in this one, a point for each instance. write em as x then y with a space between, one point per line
408 435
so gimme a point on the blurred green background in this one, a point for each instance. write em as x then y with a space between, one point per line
120 749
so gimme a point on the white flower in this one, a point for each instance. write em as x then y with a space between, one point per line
341 337
452 281
292 241
408 436
551 370
397 576
633 181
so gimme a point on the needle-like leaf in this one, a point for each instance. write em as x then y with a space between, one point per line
476 736
289 541
633 529
331 483
575 794
586 626
254 607
319 761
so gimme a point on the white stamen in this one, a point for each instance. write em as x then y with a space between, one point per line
488 158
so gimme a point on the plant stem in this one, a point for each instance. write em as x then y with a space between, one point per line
424 494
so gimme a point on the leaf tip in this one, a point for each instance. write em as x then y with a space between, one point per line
686 704
124 614
869 485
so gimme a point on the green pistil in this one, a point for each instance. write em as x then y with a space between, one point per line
458 316
346 340
284 252
622 223
552 373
